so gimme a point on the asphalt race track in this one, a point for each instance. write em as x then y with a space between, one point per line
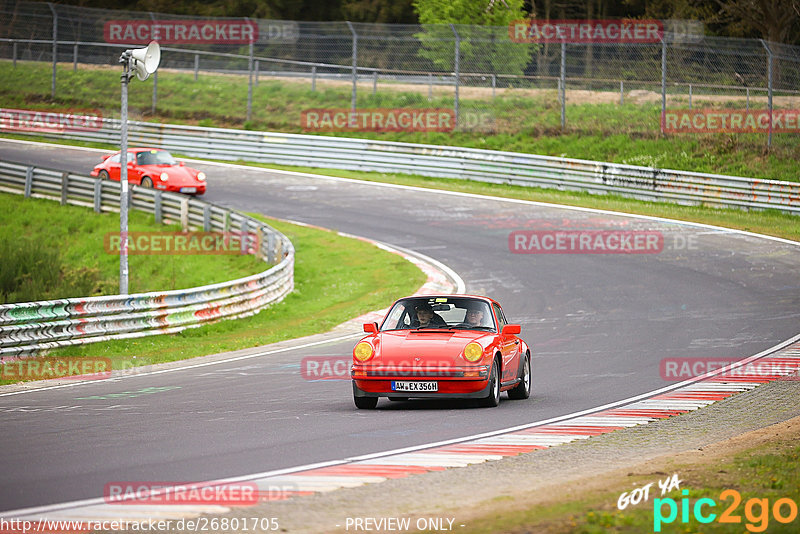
600 324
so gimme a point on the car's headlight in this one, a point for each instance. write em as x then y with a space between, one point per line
164 176
363 351
473 352
201 176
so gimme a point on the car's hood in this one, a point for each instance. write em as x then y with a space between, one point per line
177 174
403 347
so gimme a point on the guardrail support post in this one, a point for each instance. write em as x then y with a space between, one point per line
28 181
207 218
157 207
244 239
226 221
98 196
259 243
64 186
185 214
271 247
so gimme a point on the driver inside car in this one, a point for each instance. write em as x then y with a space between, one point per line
426 317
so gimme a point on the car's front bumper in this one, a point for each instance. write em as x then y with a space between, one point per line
447 389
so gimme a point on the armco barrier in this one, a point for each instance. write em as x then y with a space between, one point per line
29 327
644 183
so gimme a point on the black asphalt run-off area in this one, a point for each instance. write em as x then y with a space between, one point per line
599 324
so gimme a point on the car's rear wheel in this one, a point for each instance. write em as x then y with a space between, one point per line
523 390
494 389
147 182
103 175
366 403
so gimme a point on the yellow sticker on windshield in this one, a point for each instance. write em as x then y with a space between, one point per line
441 300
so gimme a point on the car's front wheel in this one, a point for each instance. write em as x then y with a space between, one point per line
147 182
494 389
103 175
523 390
366 403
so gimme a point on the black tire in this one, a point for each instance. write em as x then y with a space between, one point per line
103 175
146 182
523 390
366 403
494 390
398 399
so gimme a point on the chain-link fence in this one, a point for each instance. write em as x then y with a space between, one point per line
479 74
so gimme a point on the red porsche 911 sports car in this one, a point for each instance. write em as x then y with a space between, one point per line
153 167
449 346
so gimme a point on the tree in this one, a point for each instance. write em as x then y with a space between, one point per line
482 26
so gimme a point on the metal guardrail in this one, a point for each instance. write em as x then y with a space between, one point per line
29 327
643 183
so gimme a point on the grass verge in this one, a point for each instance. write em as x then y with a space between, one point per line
762 475
51 251
336 278
524 120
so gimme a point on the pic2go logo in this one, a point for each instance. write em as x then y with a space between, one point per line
756 511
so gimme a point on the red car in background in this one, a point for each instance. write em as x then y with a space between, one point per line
448 346
153 167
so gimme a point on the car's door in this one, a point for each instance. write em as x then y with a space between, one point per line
509 347
113 167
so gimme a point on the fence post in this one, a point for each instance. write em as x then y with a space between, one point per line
75 57
769 89
494 85
64 187
663 80
355 71
196 65
430 86
28 181
690 96
185 214
256 77
563 83
155 80
621 92
314 78
271 247
456 70
748 98
55 50
14 52
207 218
98 196
250 80
157 202
374 82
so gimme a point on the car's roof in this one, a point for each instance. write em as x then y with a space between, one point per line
449 296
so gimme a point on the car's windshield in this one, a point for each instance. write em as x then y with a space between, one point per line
155 157
439 313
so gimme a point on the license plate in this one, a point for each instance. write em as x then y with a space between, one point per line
414 386
188 190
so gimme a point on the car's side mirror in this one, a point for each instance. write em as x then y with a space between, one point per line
371 328
107 156
512 329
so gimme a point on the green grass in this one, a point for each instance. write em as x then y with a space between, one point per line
525 121
336 278
767 472
51 251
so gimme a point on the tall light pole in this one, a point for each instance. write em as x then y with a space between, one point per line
142 62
